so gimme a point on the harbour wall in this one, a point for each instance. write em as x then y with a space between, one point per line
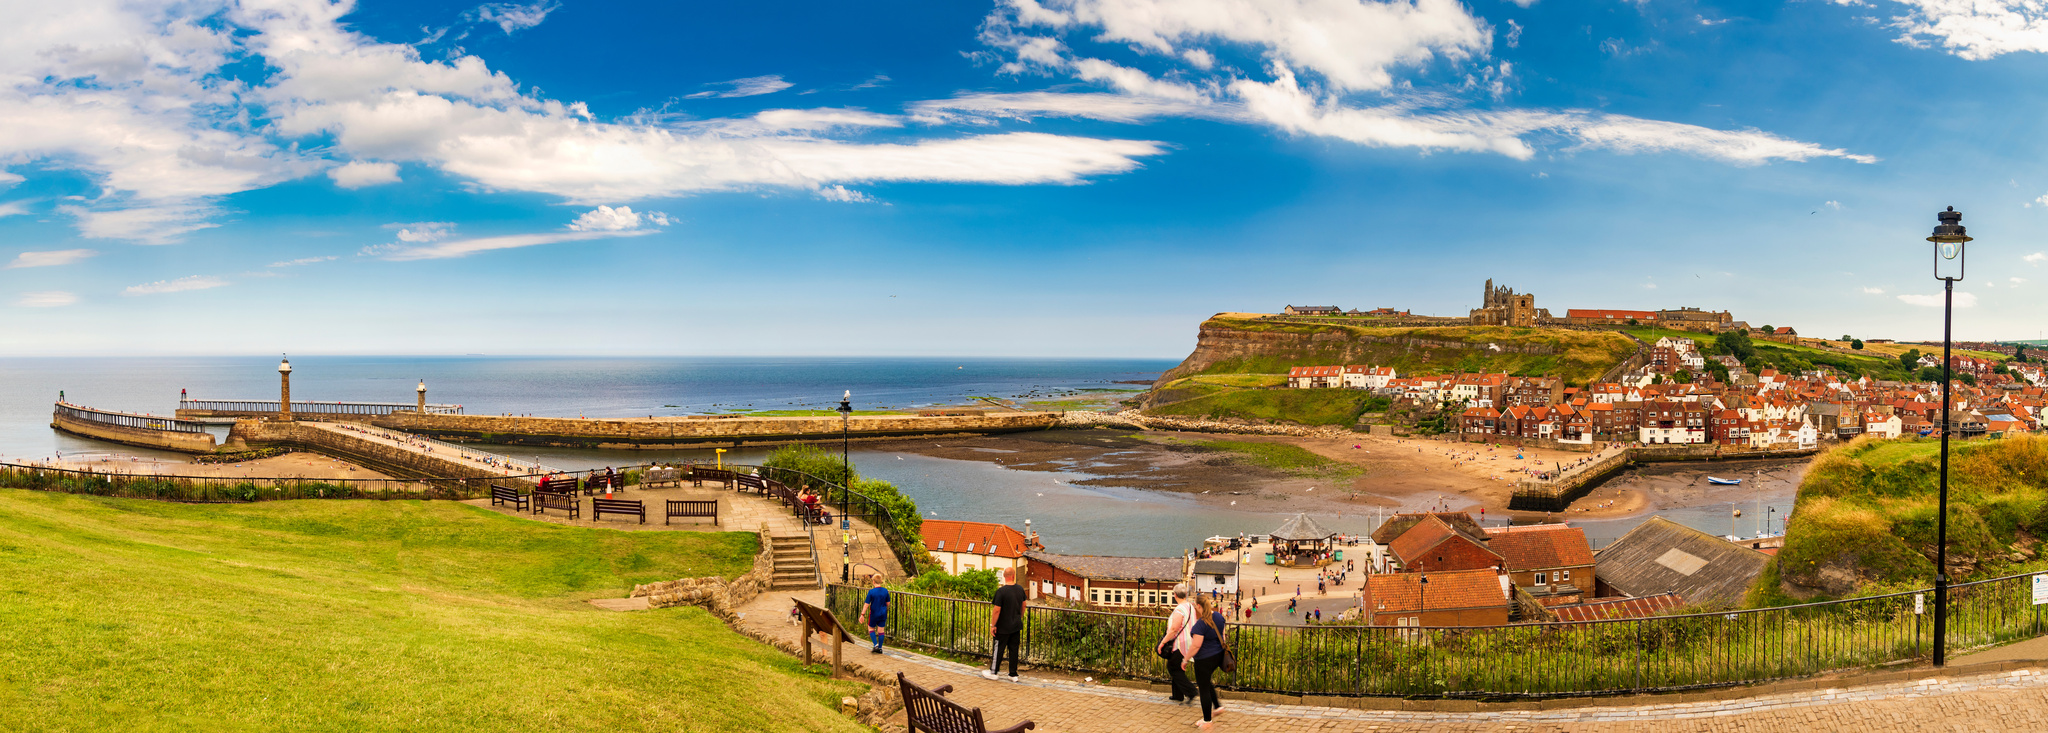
704 432
181 442
392 460
1558 494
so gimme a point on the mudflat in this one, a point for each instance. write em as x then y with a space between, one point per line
1363 472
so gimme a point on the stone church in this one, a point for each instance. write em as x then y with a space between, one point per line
1502 306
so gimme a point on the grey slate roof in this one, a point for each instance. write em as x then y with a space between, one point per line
1215 567
1662 556
1300 527
1103 567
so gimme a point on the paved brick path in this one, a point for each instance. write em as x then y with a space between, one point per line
2003 701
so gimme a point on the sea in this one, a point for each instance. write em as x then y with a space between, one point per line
1072 518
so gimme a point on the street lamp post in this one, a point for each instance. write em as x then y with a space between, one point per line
1948 238
846 440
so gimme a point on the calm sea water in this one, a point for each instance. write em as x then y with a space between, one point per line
1074 519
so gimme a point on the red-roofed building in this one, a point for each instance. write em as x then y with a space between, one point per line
1598 317
1457 598
960 546
1433 544
1306 377
1551 560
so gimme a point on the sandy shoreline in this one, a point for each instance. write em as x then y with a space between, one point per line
1395 474
311 466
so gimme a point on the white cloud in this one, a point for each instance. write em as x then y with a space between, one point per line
1974 29
1963 300
420 232
9 179
194 282
842 193
1352 44
1514 37
752 86
46 299
13 208
50 259
608 219
466 247
1873 291
358 174
512 17
2035 258
2041 199
303 261
1835 205
1322 57
143 224
1711 22
2017 280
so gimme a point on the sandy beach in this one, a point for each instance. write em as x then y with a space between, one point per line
289 465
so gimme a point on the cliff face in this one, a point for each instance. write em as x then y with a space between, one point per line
1238 345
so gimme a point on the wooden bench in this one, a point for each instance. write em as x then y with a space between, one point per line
599 482
558 484
654 476
700 474
930 712
545 500
601 507
813 513
755 484
508 495
692 509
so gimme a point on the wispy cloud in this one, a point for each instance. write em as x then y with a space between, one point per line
844 194
1963 300
302 261
1873 291
14 208
2035 258
752 86
194 282
45 299
1833 205
512 17
602 222
50 259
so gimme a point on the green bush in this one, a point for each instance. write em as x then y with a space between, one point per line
978 585
906 533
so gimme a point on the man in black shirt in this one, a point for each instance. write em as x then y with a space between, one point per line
1006 625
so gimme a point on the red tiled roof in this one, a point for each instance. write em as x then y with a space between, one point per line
1402 592
1616 609
1428 533
980 538
1553 546
1316 371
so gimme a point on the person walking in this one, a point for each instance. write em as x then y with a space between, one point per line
1169 646
1007 624
875 608
1202 645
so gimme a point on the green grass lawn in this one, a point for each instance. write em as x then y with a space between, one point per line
123 614
1576 356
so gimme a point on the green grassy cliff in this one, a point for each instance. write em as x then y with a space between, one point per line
1864 520
1231 344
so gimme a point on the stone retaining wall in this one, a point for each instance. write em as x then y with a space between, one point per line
717 595
577 432
140 437
372 454
1133 419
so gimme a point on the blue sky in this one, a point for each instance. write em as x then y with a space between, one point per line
1028 177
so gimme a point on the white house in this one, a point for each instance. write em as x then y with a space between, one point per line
1887 426
1368 377
1806 436
1313 377
1217 576
962 546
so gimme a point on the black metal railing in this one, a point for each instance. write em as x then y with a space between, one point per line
1654 654
853 504
129 420
317 408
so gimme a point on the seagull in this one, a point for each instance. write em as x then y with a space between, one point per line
1041 493
1233 503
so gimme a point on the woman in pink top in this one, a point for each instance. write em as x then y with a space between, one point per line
1169 646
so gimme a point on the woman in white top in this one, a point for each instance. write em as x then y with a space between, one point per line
1169 646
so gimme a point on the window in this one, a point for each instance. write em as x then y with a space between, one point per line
1542 579
1092 596
1564 576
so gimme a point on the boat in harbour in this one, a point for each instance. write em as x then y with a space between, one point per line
1724 481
